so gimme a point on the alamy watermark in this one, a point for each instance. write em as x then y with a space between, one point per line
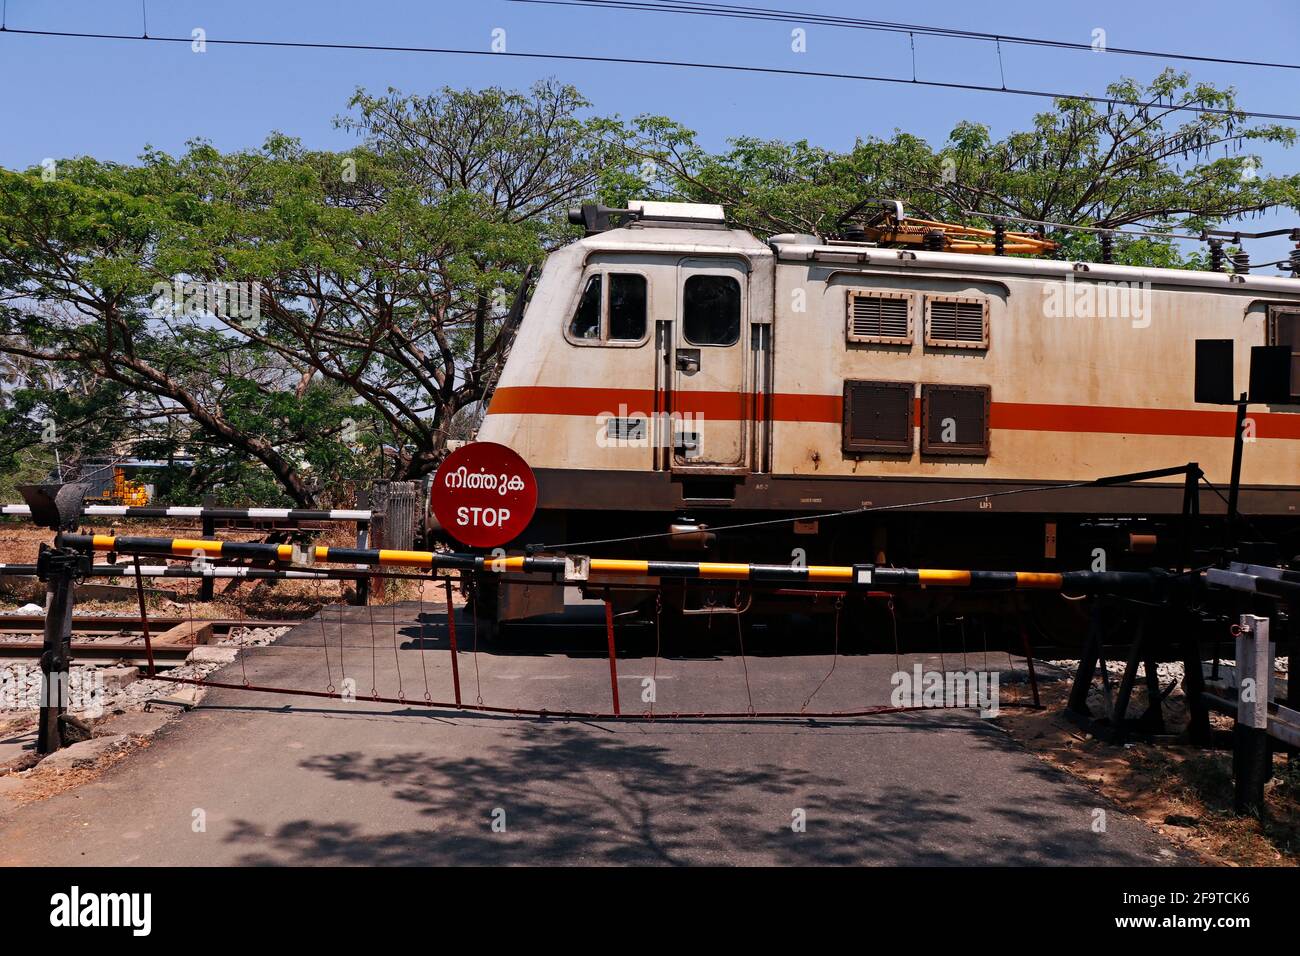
683 431
921 688
1098 300
24 687
239 303
75 908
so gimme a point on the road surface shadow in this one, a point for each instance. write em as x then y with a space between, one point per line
584 794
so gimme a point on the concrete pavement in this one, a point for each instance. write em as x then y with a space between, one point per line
274 779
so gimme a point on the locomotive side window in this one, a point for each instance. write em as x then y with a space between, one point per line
955 419
1284 329
612 309
711 310
586 320
626 306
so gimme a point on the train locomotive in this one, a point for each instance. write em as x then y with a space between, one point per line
673 377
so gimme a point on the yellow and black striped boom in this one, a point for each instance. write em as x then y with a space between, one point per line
850 576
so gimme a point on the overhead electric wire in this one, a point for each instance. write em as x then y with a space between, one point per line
649 61
745 12
864 509
1115 230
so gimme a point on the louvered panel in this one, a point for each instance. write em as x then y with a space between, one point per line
959 322
879 318
1284 329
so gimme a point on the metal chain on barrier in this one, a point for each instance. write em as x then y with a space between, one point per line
401 694
478 683
343 671
835 656
654 672
239 651
740 636
893 623
324 638
938 636
374 652
423 669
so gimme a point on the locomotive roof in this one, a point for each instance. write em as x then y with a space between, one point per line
714 239
811 249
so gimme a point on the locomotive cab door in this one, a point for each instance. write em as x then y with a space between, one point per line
708 365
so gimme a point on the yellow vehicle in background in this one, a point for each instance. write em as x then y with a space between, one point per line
122 491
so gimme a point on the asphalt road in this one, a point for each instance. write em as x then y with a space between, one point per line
289 780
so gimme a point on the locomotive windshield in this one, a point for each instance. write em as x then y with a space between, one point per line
616 314
586 320
711 310
626 306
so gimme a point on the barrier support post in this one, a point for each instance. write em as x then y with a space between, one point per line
362 593
1119 713
58 568
144 615
451 639
1027 647
1092 652
613 659
1252 753
209 531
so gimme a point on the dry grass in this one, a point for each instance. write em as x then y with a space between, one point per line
43 784
1183 792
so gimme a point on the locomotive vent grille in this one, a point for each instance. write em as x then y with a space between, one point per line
878 417
880 317
1284 329
956 322
955 419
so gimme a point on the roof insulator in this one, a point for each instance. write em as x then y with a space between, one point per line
1216 255
1107 247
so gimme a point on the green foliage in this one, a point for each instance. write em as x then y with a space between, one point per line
1141 162
388 279
385 280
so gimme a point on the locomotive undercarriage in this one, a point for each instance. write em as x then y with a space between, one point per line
918 619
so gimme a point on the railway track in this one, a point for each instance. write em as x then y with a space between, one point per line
26 623
130 652
102 652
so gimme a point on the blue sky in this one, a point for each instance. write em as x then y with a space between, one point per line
111 98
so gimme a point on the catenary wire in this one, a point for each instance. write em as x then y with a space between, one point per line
684 64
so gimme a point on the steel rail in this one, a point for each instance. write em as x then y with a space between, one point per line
102 651
13 622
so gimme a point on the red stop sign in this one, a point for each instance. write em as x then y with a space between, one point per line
484 494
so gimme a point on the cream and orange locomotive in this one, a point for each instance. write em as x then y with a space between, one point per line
672 374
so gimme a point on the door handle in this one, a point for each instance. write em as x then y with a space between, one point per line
688 361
